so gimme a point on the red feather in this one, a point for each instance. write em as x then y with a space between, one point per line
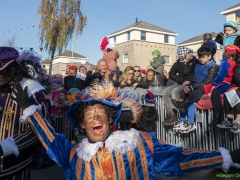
150 94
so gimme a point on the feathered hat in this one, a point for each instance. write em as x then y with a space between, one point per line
149 97
232 24
232 49
8 55
105 44
104 92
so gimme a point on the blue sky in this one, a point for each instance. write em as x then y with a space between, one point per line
185 17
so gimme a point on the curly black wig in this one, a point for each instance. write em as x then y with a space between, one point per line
15 72
79 114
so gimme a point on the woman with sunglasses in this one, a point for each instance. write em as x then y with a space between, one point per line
137 73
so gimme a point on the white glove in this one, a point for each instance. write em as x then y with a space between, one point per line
9 147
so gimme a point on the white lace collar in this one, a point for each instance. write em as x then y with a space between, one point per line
119 141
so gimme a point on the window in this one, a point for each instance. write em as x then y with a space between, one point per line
114 39
165 38
125 57
64 72
167 59
143 35
237 15
128 36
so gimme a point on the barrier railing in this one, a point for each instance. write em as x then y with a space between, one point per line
204 138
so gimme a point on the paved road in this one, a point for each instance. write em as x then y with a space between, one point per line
55 173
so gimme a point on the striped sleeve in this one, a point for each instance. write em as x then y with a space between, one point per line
57 146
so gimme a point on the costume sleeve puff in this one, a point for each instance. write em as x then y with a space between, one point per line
223 71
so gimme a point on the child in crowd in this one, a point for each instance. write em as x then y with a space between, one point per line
209 43
223 82
205 72
229 36
55 87
62 100
110 55
228 122
157 63
182 72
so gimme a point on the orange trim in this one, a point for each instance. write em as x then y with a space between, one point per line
44 127
98 172
73 152
120 166
133 165
88 174
201 162
38 135
148 139
78 168
143 159
195 150
106 163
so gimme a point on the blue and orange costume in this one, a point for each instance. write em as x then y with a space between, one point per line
125 154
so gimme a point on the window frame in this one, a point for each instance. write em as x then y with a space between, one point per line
170 59
143 36
124 54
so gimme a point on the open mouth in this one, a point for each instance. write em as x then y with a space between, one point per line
98 128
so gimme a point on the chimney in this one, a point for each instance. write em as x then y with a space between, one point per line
136 20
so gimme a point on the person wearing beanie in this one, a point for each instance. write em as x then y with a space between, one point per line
157 63
209 43
104 154
229 36
19 146
72 81
182 72
110 55
205 72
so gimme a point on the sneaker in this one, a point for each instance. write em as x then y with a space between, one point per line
190 128
225 124
235 127
179 125
184 126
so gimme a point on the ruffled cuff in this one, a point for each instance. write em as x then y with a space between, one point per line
28 112
227 160
9 147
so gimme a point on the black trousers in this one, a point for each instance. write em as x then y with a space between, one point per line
216 101
195 95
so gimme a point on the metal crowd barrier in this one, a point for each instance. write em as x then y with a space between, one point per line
204 138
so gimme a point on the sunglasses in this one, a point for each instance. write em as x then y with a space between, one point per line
137 70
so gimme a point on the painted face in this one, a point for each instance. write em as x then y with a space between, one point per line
55 86
130 74
150 76
205 59
3 80
103 66
61 96
82 70
96 122
72 73
229 31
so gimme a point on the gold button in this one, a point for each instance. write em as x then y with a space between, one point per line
105 155
109 176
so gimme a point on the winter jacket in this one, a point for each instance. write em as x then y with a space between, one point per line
141 84
231 40
73 82
181 71
226 72
205 74
158 64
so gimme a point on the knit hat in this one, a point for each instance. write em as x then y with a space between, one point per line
156 52
62 91
143 71
105 44
232 49
211 44
75 68
73 90
55 81
232 24
149 97
182 52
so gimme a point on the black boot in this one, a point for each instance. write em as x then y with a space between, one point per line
182 106
170 120
217 119
166 120
235 155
